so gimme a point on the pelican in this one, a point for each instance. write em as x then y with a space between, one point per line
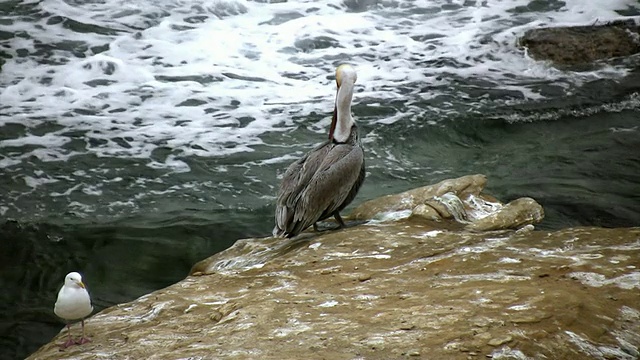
325 180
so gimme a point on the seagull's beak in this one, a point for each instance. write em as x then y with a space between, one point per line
81 284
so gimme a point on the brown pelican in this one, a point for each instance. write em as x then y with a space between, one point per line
325 180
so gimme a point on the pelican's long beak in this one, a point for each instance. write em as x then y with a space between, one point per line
334 118
342 71
334 121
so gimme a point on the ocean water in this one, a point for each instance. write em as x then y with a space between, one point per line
138 137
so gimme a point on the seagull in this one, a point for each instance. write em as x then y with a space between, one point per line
73 303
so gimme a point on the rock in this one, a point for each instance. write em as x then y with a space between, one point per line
515 215
407 288
4 55
460 200
500 340
462 187
464 295
580 45
427 212
446 209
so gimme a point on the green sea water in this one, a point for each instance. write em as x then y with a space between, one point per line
131 228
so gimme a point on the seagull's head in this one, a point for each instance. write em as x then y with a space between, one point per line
74 279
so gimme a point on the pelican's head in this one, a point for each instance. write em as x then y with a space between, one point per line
346 73
73 279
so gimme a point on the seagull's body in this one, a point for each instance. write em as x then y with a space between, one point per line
325 180
73 303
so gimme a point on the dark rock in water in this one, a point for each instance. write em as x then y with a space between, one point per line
282 18
225 9
539 6
192 102
360 5
580 45
318 42
3 56
245 78
202 79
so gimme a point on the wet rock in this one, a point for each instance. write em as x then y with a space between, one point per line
515 215
462 187
318 42
443 208
529 317
224 9
460 200
202 79
281 18
413 353
427 212
366 5
463 296
580 45
244 78
500 340
388 290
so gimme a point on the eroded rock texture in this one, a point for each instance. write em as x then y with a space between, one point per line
408 288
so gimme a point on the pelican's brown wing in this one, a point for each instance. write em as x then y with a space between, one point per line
294 182
329 187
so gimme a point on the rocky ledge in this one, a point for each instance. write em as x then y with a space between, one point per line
417 281
582 45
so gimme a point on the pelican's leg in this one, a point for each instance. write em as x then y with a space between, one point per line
339 220
315 227
70 341
83 339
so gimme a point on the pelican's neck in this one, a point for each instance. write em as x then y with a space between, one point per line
343 119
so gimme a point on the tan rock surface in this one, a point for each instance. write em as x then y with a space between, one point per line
454 204
514 215
399 290
462 187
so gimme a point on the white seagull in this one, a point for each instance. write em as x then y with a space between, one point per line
73 303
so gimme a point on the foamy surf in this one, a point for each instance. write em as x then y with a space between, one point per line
187 73
161 82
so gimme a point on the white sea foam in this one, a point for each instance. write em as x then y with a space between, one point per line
203 93
626 281
35 182
221 74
